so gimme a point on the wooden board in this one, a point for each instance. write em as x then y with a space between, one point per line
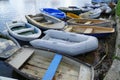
21 58
88 30
88 22
85 73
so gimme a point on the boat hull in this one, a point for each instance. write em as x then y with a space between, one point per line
65 42
34 71
93 22
54 12
71 9
90 30
8 46
57 23
27 33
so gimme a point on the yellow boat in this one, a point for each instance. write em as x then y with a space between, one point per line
72 15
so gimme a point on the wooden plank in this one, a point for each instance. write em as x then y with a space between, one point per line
39 64
85 73
52 68
88 22
39 61
60 76
68 29
20 58
34 71
88 30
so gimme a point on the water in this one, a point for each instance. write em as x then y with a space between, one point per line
12 10
16 9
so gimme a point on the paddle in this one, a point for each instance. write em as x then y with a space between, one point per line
52 67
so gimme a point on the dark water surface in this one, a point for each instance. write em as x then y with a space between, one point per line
11 10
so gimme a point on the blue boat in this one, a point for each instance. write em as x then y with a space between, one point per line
54 12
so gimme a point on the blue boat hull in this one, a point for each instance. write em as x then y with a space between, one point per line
54 12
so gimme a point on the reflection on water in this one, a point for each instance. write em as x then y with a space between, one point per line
17 9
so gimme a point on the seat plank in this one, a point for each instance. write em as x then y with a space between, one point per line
88 22
88 30
20 58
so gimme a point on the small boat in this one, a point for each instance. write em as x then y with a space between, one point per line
94 5
72 15
66 42
95 13
8 46
37 64
6 78
90 30
86 8
44 21
54 12
23 31
71 9
90 22
105 8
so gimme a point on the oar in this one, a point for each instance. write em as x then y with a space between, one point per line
52 67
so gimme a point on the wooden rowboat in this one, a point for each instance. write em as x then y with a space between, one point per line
45 21
90 22
37 64
90 30
8 46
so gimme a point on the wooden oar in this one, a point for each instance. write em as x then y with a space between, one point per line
53 67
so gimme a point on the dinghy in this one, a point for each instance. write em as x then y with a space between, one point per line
90 30
6 78
8 46
53 12
105 8
37 64
23 31
95 13
71 9
90 22
86 8
72 15
65 42
45 21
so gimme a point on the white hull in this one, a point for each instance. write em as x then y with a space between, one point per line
30 27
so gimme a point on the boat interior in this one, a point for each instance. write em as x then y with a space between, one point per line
42 19
39 60
23 29
88 29
86 21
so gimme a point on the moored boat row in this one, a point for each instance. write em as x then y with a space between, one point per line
50 59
